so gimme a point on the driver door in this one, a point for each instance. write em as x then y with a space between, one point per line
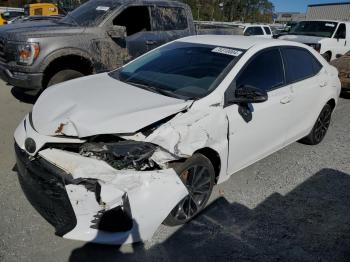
265 133
342 42
136 19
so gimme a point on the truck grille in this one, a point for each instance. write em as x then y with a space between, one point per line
2 51
44 186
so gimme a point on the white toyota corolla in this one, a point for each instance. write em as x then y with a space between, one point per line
108 158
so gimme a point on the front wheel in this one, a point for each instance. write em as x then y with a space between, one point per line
320 128
64 75
198 175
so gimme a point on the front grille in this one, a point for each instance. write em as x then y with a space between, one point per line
2 51
44 186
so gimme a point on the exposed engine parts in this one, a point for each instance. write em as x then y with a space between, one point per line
122 155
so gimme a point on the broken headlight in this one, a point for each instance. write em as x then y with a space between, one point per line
122 155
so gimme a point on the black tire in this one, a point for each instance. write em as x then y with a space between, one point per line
198 174
327 56
64 75
320 128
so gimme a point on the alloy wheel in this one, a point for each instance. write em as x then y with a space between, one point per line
197 179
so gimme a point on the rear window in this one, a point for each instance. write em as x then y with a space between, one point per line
294 58
169 18
256 30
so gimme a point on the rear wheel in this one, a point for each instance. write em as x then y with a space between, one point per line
198 175
320 128
64 75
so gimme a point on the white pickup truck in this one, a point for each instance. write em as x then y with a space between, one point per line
329 38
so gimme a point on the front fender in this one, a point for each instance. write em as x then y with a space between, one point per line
66 52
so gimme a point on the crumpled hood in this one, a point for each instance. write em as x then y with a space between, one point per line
99 104
302 38
33 29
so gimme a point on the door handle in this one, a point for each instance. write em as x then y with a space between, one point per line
151 42
286 100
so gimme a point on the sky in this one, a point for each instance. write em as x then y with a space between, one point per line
298 5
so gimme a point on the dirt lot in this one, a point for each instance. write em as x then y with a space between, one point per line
292 206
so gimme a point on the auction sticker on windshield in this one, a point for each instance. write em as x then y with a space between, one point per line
102 8
227 51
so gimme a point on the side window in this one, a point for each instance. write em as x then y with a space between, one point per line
267 30
254 30
265 71
127 18
169 18
38 11
294 57
341 32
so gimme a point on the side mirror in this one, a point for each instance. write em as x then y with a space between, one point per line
249 94
117 31
118 35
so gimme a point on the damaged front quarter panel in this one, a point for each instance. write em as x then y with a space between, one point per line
151 195
190 132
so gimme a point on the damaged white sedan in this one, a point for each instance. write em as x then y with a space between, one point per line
108 158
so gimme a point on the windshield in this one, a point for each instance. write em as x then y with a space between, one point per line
182 70
315 28
91 13
10 15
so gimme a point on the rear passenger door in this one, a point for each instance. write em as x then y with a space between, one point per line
342 42
136 19
304 79
168 23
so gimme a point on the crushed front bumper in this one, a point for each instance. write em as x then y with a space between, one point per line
27 81
86 199
44 187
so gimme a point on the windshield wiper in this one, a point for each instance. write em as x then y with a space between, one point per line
158 90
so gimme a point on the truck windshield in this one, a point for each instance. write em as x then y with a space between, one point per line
91 13
314 28
181 70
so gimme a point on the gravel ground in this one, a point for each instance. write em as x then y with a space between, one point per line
291 206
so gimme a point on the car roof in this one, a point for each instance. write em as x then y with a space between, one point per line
249 24
236 41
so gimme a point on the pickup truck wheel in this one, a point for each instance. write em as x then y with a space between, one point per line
198 175
64 75
320 128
